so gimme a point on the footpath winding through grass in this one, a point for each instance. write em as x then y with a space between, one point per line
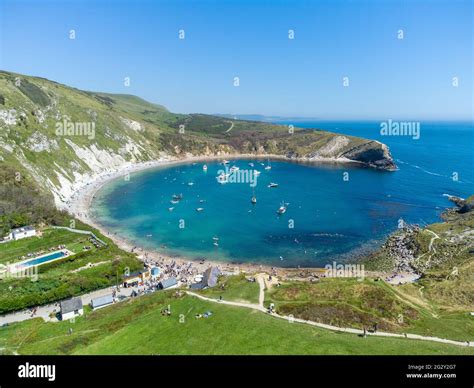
138 327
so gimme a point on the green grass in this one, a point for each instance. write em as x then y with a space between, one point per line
59 279
16 250
234 288
137 327
350 303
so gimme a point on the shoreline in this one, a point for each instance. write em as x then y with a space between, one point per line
80 202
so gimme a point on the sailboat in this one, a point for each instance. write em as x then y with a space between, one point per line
254 198
204 168
268 166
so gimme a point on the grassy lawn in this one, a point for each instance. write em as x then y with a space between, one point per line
60 279
234 288
16 250
137 327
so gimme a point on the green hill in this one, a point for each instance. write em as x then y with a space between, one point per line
61 137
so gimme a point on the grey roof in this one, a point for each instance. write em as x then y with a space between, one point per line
210 276
23 229
196 286
102 301
134 274
168 283
70 305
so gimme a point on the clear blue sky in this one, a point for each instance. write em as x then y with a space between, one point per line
388 77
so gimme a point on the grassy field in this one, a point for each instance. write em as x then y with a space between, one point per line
137 327
350 303
65 277
234 288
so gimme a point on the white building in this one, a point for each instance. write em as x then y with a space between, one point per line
23 232
71 308
102 301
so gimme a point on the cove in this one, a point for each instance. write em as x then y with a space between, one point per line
333 212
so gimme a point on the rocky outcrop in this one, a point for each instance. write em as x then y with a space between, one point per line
418 250
463 205
374 154
402 248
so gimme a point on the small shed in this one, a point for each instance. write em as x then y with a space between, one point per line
102 301
168 283
71 308
210 277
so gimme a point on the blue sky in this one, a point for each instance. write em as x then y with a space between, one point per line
388 77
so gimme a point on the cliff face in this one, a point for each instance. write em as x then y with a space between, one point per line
62 137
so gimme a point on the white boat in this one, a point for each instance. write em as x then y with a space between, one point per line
251 164
204 168
216 244
190 183
254 200
256 172
268 166
199 209
272 185
215 238
224 162
174 201
282 208
171 209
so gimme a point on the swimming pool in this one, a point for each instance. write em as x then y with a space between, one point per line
43 259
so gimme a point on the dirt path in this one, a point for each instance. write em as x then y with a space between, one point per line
290 319
261 295
230 128
435 236
230 303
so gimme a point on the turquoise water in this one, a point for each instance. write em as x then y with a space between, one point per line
43 259
328 218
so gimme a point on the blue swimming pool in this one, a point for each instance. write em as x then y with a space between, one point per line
43 259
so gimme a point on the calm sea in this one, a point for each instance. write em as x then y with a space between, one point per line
333 212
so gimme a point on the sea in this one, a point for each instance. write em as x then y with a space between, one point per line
333 212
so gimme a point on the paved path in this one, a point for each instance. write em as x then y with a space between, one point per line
46 310
291 319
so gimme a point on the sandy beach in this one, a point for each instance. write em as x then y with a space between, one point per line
79 205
